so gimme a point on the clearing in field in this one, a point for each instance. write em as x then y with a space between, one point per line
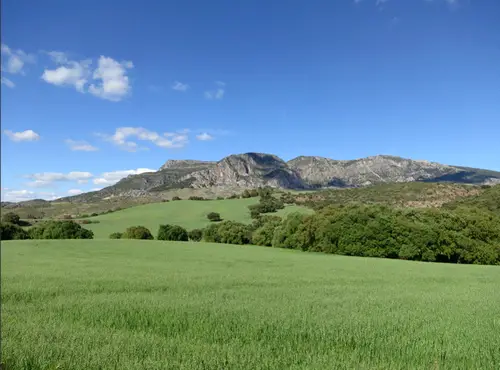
190 214
125 304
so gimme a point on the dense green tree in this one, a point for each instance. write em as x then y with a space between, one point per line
11 217
10 231
172 232
116 235
214 217
137 232
195 235
60 230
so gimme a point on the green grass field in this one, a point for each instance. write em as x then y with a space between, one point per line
190 214
124 304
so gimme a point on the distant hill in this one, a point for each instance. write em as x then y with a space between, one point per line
250 170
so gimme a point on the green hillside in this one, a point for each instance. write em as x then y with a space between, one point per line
187 213
122 304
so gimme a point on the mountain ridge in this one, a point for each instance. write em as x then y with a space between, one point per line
253 169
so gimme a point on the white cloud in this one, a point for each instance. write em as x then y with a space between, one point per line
167 140
114 83
110 178
179 86
15 60
7 82
44 179
108 81
74 191
204 136
218 93
82 146
70 73
28 135
23 195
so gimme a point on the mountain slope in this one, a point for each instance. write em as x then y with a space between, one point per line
250 170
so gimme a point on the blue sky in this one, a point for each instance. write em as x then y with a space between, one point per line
93 91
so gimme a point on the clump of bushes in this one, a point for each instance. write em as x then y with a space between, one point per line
172 232
193 197
11 218
250 193
176 198
267 204
195 235
214 217
10 231
229 232
60 230
233 196
137 232
116 235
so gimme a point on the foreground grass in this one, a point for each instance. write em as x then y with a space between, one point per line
154 305
190 214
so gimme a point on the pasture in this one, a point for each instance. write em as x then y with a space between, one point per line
127 304
189 214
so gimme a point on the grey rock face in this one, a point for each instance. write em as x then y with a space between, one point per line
252 170
318 171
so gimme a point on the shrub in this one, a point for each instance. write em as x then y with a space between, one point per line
196 198
116 235
246 194
172 232
214 217
137 232
94 214
60 230
9 231
11 218
195 235
176 198
227 232
220 198
264 234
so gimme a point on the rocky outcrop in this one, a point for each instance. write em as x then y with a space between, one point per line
321 172
251 170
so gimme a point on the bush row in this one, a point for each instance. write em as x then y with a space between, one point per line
45 230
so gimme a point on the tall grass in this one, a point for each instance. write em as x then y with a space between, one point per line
156 305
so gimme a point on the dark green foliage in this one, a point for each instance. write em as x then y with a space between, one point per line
267 204
195 235
214 217
9 231
245 194
60 230
94 214
137 232
228 232
250 193
220 198
176 198
116 235
463 236
172 232
11 218
265 227
193 197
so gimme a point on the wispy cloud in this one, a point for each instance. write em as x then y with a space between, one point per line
82 146
110 178
15 60
75 191
24 195
218 93
179 86
28 135
45 179
7 82
166 140
204 137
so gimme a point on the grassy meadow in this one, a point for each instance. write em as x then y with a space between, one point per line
126 304
189 214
